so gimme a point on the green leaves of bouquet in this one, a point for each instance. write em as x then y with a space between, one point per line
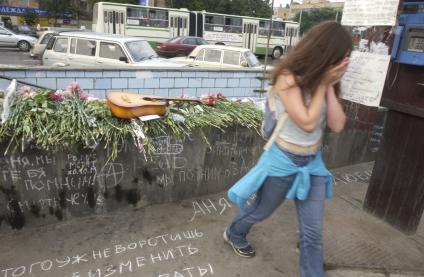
68 117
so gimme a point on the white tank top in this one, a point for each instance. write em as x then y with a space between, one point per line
292 133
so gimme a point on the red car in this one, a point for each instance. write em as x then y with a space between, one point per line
179 46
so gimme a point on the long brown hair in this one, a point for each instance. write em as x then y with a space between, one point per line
322 47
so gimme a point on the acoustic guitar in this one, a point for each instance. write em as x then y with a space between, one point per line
128 105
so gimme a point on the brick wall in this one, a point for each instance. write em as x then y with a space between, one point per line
170 82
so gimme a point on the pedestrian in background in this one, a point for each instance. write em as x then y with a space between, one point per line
306 85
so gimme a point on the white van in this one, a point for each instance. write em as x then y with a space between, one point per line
83 49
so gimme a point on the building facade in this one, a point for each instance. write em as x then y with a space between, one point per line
20 3
290 11
283 12
315 4
12 11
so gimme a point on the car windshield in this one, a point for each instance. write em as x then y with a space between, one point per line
140 50
251 59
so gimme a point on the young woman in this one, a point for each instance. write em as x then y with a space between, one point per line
307 86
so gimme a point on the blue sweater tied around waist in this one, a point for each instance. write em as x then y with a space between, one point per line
275 163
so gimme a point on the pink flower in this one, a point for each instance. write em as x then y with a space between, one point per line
75 89
26 92
219 95
56 96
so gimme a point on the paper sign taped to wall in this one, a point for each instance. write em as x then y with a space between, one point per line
363 82
370 12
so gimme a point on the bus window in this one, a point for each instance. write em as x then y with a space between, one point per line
263 27
233 24
278 29
158 18
137 16
214 23
105 16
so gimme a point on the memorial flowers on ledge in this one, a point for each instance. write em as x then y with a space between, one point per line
67 117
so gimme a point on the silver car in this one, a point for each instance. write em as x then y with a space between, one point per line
10 39
221 56
85 49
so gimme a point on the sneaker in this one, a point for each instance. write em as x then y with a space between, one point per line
245 252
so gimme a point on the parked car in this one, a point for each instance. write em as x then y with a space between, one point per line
179 46
39 47
94 49
9 39
25 30
221 56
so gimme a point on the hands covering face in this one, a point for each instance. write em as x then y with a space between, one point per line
335 73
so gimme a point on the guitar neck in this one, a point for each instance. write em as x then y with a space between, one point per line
152 97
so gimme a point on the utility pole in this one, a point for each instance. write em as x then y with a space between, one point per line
300 17
269 37
266 50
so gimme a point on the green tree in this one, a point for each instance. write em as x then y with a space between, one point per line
256 8
55 8
92 2
313 17
30 17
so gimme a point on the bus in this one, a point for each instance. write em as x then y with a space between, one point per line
157 24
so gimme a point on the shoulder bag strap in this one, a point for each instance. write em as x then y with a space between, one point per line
281 118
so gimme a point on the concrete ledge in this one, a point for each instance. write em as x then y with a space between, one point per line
38 186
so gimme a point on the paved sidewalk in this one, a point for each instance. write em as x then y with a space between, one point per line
185 240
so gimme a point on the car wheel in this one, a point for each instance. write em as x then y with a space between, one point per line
180 54
277 52
24 45
219 43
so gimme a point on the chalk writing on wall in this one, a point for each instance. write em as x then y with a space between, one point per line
370 13
375 138
68 183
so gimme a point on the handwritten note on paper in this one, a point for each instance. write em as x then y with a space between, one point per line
370 12
364 80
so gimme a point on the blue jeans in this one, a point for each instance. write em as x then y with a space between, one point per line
309 213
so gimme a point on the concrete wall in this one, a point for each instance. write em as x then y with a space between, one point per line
39 187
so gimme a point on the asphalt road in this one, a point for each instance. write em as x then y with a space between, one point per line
12 56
